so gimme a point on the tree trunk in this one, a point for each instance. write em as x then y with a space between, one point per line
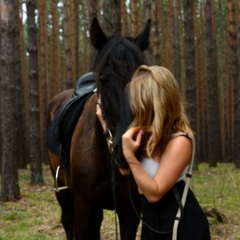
92 12
214 134
68 79
115 6
176 41
24 103
170 59
43 76
54 80
134 17
124 19
34 117
190 66
10 59
156 33
201 132
163 43
147 6
237 97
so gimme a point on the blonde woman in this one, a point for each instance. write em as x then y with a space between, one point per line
158 147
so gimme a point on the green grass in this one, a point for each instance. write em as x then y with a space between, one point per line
37 215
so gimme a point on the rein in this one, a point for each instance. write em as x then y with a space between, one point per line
109 138
108 135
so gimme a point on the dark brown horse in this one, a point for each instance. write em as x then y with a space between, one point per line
93 177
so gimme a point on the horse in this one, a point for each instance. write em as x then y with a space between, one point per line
92 181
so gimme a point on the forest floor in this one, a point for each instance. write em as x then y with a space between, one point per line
37 215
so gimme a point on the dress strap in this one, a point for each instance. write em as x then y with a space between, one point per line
188 175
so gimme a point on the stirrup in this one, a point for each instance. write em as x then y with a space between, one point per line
58 189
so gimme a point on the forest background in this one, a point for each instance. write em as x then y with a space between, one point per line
45 48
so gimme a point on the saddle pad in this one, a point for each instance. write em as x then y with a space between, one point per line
62 126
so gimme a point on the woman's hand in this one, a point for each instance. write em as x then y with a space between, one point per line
131 141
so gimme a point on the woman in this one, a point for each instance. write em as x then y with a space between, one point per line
158 149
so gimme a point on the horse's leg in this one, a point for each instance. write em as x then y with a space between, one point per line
88 219
128 221
65 200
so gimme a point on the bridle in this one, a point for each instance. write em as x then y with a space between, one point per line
109 138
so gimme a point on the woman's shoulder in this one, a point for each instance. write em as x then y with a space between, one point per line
180 143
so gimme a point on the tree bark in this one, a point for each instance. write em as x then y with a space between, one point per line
156 60
235 47
68 79
54 81
10 59
214 133
176 41
115 6
190 65
134 18
43 75
34 115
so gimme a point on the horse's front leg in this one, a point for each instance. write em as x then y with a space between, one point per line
129 221
88 219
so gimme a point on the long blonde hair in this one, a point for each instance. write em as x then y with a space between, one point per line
157 106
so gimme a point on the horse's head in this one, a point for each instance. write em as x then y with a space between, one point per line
117 59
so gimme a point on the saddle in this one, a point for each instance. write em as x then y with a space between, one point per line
65 120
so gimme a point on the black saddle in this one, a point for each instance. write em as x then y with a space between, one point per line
62 126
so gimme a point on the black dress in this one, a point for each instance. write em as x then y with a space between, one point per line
160 216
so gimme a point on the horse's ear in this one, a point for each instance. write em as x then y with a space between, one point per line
142 40
98 38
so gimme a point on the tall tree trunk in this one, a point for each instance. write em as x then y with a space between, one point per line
134 17
190 66
124 19
9 72
147 15
24 103
237 97
147 6
170 59
176 41
74 32
163 43
201 132
232 39
34 117
43 76
68 79
92 12
104 21
115 6
156 35
214 134
54 80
